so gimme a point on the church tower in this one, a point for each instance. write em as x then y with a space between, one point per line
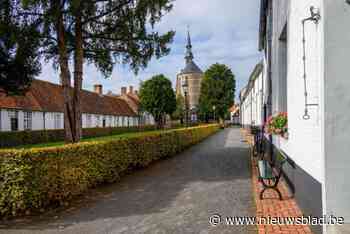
193 76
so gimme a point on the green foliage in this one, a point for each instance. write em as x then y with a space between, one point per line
12 139
113 32
218 89
277 124
158 98
19 41
180 108
36 178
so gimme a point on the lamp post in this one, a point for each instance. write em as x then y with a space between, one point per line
185 90
214 108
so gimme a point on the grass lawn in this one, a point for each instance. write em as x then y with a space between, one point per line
102 138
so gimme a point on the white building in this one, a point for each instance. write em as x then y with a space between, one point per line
131 96
235 114
306 47
252 98
42 108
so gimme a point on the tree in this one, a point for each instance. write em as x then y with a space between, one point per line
217 91
180 108
19 61
104 33
157 97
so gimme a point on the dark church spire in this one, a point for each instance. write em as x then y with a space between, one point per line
189 54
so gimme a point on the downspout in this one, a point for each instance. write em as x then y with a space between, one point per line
44 117
262 118
269 78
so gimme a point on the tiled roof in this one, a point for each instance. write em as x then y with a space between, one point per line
234 108
48 97
191 67
132 99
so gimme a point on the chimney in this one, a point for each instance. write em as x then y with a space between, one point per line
131 89
136 92
98 89
123 91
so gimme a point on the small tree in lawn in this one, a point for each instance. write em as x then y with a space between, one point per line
158 98
218 89
180 109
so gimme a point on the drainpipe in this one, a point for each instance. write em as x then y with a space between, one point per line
44 118
269 78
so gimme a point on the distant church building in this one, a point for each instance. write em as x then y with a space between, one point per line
192 75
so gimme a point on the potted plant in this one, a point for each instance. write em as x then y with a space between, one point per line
278 125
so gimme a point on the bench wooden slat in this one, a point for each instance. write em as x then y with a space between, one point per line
265 170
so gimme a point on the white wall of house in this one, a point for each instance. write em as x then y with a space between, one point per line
303 132
253 104
55 120
336 88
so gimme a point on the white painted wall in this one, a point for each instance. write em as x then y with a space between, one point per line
336 106
252 106
50 122
302 132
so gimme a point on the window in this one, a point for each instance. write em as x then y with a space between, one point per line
104 122
88 121
27 120
97 121
13 115
282 54
57 120
115 121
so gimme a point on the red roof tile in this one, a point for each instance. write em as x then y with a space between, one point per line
45 96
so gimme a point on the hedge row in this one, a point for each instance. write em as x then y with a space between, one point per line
32 179
12 139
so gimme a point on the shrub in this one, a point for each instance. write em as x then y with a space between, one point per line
12 139
35 178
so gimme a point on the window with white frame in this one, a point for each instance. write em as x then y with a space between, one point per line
97 121
283 61
57 120
27 120
115 121
13 116
88 121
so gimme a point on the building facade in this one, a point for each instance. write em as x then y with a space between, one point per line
306 53
192 75
41 108
132 98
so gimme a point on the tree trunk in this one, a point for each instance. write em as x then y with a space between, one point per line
65 78
78 77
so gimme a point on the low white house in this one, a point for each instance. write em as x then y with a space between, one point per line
235 114
131 96
306 47
252 98
42 108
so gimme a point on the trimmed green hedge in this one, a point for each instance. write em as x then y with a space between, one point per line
35 178
12 139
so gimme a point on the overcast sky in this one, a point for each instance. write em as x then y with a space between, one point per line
223 31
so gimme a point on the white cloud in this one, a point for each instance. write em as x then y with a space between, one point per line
222 31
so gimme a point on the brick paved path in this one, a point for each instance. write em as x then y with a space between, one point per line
172 196
271 206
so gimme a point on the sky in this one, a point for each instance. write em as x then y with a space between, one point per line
222 31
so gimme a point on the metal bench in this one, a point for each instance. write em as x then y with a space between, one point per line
270 175
258 148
